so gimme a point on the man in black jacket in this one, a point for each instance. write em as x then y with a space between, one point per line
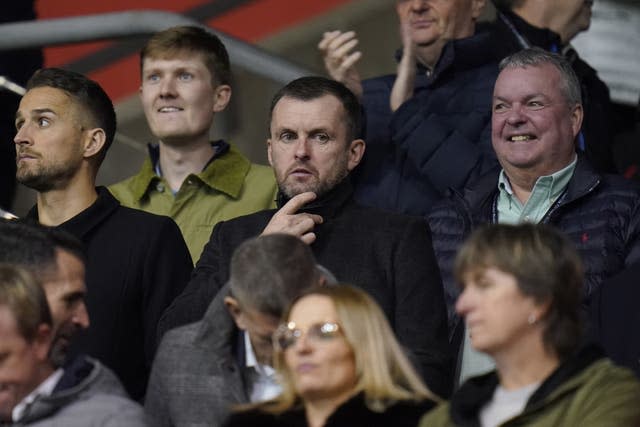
537 114
137 263
313 146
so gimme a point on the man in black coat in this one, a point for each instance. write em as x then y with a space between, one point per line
137 263
313 146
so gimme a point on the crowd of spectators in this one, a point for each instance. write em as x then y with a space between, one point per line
443 246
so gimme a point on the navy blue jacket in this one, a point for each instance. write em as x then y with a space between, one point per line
439 138
599 213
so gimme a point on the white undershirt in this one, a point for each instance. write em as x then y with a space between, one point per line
505 404
264 385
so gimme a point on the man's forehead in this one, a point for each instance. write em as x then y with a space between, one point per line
174 59
45 98
314 112
530 76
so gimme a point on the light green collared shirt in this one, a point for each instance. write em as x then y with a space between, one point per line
545 192
511 211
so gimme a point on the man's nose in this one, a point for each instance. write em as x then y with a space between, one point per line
22 136
167 87
81 316
515 115
302 148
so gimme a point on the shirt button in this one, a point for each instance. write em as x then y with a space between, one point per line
160 187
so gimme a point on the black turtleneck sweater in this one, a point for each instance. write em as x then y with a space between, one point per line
388 255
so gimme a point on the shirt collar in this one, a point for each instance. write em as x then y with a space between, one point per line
328 205
559 180
251 361
226 174
44 389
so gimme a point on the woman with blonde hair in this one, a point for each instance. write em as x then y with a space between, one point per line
339 365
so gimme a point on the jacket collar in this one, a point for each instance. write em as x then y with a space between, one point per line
480 199
89 219
328 205
218 335
78 376
225 171
527 33
466 403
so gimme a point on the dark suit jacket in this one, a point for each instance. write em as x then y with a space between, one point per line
388 255
197 376
137 263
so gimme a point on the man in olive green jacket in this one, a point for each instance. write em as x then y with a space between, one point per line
185 82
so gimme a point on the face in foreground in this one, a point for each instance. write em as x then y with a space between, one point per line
49 139
309 148
495 311
65 290
320 368
438 21
533 126
19 363
179 97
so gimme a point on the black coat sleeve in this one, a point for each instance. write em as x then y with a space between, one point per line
421 314
168 266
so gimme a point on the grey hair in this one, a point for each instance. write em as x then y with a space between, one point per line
536 57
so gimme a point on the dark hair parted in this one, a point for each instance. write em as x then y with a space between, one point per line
91 98
176 40
267 272
25 299
314 87
546 267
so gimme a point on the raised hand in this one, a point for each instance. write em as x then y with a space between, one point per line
340 58
287 221
405 79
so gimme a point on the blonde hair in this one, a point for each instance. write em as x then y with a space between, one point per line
384 372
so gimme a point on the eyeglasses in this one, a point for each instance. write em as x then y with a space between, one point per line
287 334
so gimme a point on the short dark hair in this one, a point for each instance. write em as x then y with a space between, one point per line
88 94
314 87
267 272
546 267
23 296
28 246
33 246
536 57
189 38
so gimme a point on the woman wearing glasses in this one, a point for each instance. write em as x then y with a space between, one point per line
339 365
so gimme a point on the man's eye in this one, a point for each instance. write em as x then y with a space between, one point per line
19 124
153 77
321 138
535 104
43 122
185 76
499 107
287 136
